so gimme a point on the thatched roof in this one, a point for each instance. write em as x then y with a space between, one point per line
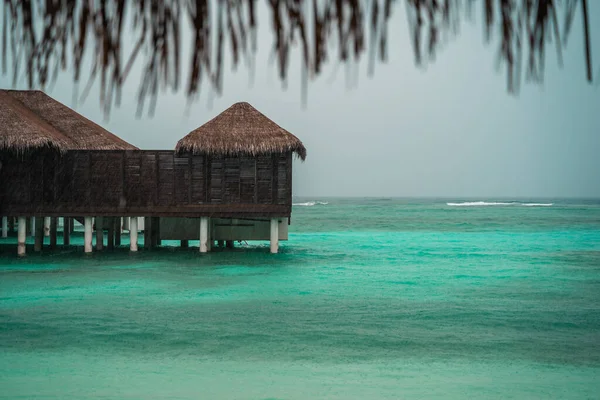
240 130
21 129
31 119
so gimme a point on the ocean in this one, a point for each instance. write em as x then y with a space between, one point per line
369 299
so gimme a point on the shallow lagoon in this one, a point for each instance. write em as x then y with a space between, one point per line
370 298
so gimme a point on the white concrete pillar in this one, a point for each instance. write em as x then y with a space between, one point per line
203 234
47 226
21 236
87 234
133 233
274 235
4 227
99 233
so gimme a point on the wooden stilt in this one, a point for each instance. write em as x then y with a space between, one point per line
154 232
71 224
39 234
220 243
110 237
21 236
118 225
66 231
274 235
4 227
11 224
229 244
151 236
32 226
99 233
156 226
185 244
87 234
133 233
209 237
147 232
53 232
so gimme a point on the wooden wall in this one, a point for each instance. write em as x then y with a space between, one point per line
145 183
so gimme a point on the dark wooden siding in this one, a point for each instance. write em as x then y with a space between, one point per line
145 183
199 180
264 179
181 180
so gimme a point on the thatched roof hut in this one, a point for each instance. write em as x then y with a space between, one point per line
32 120
21 129
240 130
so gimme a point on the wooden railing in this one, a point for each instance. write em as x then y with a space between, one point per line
145 183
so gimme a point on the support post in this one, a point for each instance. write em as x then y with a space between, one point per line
66 231
203 234
99 233
220 243
47 226
39 234
32 226
209 242
229 244
274 235
4 227
185 244
147 232
110 239
133 234
156 229
87 234
21 236
118 226
53 232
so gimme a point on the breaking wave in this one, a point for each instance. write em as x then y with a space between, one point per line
497 203
479 204
311 203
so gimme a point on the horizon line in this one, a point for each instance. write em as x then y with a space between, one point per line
471 198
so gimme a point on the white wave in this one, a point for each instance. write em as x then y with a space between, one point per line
479 204
307 204
311 203
497 203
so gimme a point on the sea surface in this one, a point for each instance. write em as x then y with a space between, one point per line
369 299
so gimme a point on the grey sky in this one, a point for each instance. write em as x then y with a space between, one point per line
449 130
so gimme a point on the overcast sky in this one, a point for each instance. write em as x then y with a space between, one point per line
449 130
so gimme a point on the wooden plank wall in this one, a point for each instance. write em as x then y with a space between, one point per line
147 182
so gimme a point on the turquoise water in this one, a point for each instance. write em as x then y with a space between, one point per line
370 298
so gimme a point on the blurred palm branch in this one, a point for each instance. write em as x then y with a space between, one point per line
41 38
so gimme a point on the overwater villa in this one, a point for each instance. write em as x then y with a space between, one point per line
228 180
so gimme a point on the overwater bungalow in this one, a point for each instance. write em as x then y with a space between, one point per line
229 180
